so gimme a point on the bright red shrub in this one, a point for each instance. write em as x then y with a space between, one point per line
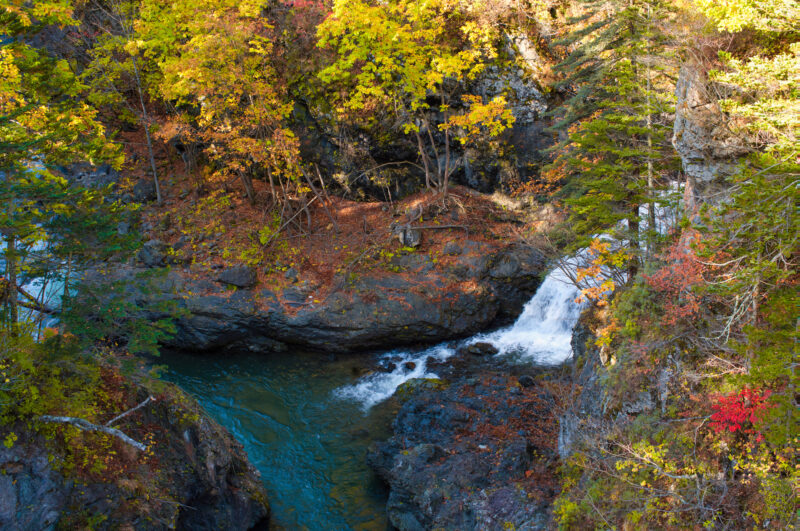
740 411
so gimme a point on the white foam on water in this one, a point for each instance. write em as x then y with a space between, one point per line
377 387
542 334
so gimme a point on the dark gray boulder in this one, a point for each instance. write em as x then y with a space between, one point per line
144 191
239 276
479 349
153 253
446 467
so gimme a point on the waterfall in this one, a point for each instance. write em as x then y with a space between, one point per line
541 335
543 332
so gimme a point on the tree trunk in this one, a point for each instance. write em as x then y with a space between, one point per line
11 272
633 226
146 120
651 213
65 293
421 149
248 187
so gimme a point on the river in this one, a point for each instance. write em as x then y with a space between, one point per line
306 421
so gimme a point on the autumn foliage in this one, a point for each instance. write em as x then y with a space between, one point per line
740 412
677 280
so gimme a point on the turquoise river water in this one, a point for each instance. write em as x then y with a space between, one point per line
308 443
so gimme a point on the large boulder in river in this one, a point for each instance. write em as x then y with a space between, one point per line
471 456
479 349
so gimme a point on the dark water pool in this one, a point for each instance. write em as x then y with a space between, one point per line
310 446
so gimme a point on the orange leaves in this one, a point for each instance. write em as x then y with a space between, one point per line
597 278
677 280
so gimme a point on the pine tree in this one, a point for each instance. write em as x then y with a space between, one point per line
752 237
615 154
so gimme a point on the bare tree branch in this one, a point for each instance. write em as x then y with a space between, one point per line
131 410
85 425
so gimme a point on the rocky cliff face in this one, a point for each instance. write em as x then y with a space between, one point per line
708 149
587 407
488 285
193 476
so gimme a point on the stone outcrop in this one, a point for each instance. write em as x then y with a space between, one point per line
588 406
469 456
487 286
708 149
197 477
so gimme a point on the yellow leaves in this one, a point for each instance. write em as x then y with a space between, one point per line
489 119
251 8
762 15
401 51
25 13
132 47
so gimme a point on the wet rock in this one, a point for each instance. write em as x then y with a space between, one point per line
410 365
479 349
360 371
414 386
526 381
239 276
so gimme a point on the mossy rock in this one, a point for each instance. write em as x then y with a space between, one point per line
415 386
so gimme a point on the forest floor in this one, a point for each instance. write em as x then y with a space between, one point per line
214 225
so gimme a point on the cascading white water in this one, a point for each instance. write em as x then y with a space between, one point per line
541 335
543 332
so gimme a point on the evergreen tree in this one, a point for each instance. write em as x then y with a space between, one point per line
752 237
615 154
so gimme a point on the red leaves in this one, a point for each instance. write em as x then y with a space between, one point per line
740 411
677 279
